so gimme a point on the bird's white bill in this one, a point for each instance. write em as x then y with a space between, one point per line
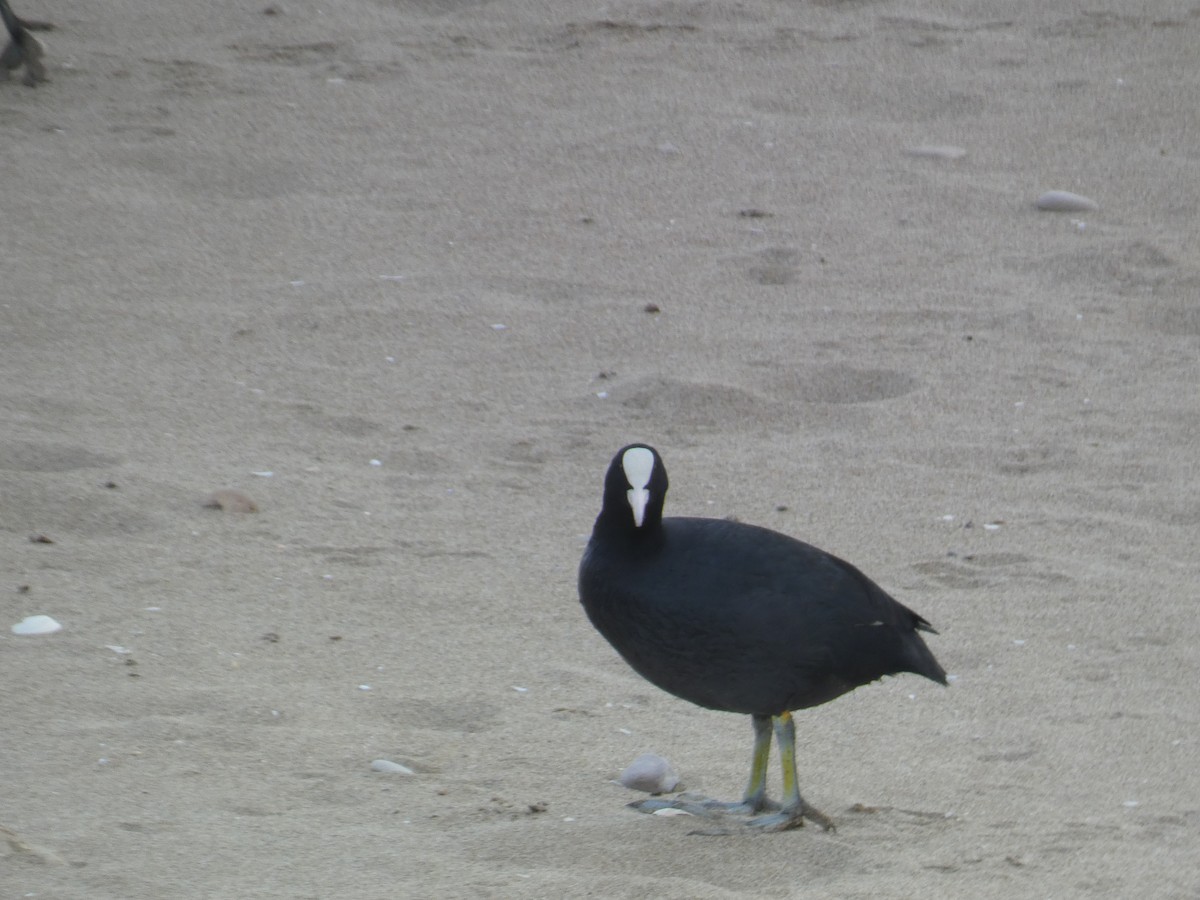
638 498
638 463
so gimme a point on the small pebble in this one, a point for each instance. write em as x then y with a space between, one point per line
390 768
37 625
1065 201
230 501
650 773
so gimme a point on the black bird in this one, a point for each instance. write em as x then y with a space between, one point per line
738 618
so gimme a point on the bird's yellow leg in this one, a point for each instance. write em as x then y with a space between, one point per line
794 809
755 798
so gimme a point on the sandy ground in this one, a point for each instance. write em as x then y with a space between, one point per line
238 239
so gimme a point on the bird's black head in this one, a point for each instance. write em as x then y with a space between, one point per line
634 490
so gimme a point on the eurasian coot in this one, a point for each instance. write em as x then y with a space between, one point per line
738 618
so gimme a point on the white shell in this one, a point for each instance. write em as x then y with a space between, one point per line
37 625
1065 201
390 768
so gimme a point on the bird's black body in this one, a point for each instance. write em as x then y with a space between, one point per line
739 618
732 616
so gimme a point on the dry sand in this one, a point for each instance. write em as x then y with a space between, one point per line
235 241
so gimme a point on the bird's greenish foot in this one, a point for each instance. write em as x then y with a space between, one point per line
787 819
775 818
706 807
794 810
684 803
